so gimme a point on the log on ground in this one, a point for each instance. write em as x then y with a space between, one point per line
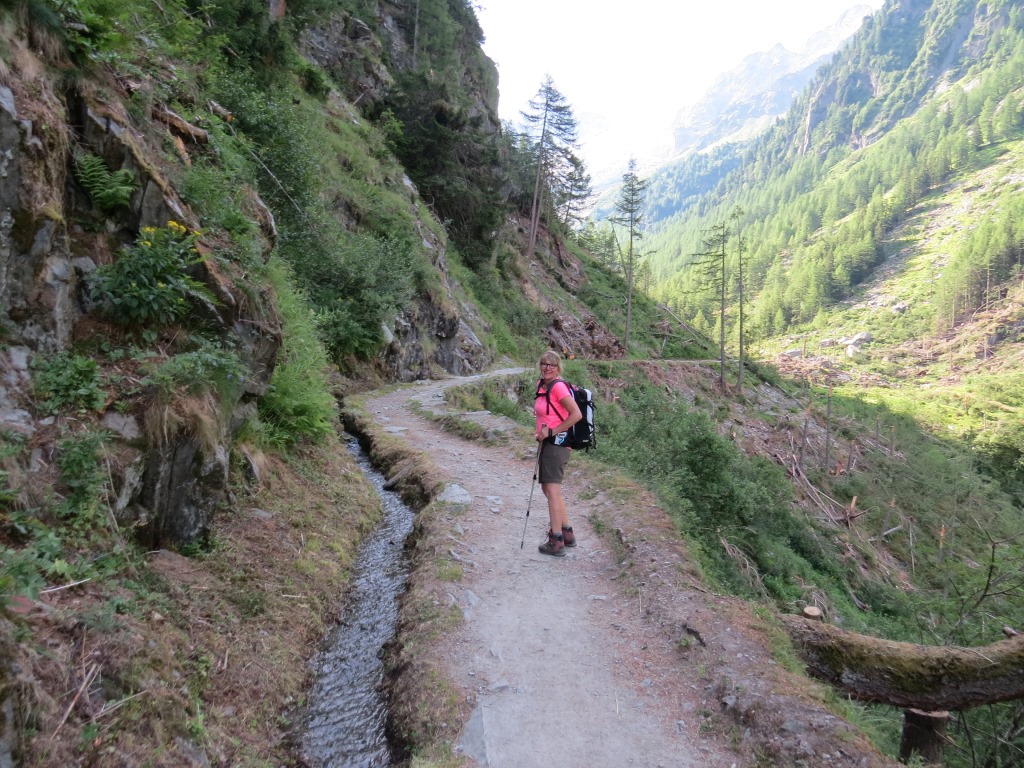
906 675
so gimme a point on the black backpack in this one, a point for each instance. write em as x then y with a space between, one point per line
582 435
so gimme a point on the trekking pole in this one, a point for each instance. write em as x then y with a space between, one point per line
533 485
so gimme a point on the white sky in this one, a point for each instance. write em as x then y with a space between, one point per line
627 68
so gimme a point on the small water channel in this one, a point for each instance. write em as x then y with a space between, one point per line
344 724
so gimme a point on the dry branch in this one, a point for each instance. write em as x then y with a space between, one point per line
90 675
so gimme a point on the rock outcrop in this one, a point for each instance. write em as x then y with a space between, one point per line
168 480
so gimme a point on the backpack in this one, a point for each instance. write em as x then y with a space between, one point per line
582 435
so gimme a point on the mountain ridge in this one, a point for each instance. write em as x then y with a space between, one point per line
759 89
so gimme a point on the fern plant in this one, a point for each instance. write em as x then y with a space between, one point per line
108 189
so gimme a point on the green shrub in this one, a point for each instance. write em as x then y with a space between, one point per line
148 282
218 194
315 81
283 136
208 368
92 29
82 475
67 381
356 283
24 570
449 156
299 403
715 493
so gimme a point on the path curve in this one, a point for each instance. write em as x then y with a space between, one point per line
564 669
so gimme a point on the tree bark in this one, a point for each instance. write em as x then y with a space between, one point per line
924 735
929 678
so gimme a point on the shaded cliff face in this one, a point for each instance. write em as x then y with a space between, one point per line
167 451
370 58
365 54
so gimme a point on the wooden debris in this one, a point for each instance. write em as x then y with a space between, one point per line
924 734
180 125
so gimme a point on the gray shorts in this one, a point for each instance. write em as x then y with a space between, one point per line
553 459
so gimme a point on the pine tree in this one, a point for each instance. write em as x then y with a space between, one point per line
629 208
574 192
600 241
552 118
711 263
741 249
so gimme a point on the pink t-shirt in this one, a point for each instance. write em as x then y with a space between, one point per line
558 413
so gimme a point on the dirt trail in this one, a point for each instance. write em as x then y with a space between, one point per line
564 669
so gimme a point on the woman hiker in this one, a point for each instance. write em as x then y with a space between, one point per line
556 411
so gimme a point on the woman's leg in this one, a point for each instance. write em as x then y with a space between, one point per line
557 513
552 467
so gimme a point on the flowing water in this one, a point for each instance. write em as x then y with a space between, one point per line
344 725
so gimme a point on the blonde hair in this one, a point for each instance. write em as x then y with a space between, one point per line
551 357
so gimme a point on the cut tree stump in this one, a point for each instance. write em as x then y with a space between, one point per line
924 734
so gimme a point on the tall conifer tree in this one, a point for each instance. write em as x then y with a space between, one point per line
629 210
712 265
554 124
574 191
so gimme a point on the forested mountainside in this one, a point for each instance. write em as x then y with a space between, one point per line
887 201
869 245
923 98
738 107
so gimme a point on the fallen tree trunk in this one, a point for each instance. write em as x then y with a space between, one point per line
925 677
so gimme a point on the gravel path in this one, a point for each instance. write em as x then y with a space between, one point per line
565 670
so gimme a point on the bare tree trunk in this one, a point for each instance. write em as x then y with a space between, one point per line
535 210
739 377
930 678
828 430
721 323
924 735
629 293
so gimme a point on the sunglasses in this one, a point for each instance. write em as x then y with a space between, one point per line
549 365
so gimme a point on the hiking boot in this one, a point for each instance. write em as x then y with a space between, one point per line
568 536
553 546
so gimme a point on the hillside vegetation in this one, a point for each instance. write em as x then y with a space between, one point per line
886 202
